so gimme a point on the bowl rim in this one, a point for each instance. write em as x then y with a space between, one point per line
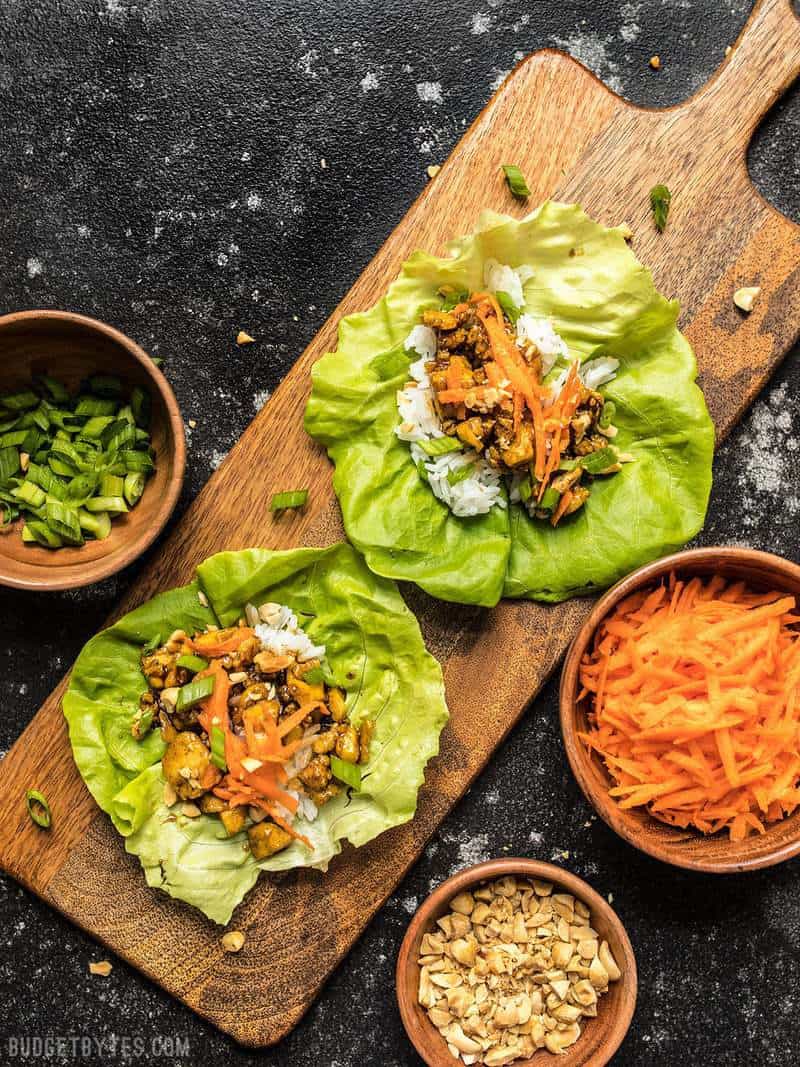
414 1020
131 550
579 759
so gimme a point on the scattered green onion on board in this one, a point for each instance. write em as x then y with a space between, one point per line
349 773
194 693
296 498
516 181
660 199
38 808
68 464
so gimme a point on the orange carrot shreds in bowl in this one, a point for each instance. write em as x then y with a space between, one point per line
694 691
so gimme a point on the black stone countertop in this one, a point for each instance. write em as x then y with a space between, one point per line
161 168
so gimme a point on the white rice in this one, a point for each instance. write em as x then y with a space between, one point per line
597 372
541 333
500 278
284 636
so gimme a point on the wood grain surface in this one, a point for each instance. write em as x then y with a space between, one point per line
575 140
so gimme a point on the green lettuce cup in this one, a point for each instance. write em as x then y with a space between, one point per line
374 651
602 302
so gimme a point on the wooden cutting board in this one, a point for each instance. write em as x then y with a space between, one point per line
576 141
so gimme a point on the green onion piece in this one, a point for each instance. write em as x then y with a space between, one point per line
114 504
143 724
45 478
516 181
569 464
597 462
550 499
525 489
9 462
56 391
38 808
217 741
440 446
119 433
140 406
89 406
137 461
41 533
22 401
295 498
660 198
98 525
609 410
13 437
510 309
154 642
29 493
349 773
459 474
80 488
157 361
64 521
422 470
111 485
105 385
194 693
41 418
133 488
191 663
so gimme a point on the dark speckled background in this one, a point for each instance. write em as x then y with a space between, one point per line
161 168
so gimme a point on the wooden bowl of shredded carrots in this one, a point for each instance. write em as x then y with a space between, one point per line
680 709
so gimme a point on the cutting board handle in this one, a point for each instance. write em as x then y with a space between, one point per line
762 64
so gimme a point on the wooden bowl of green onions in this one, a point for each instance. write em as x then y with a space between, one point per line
92 450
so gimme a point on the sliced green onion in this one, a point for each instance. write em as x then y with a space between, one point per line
133 487
13 437
93 428
64 521
194 693
140 406
453 299
111 485
512 312
113 504
550 499
516 181
9 462
440 446
29 493
525 489
315 676
141 462
80 488
105 385
568 464
295 498
45 478
597 462
89 406
22 401
422 470
38 808
349 773
217 742
57 392
98 525
609 410
40 532
143 724
191 663
660 199
459 474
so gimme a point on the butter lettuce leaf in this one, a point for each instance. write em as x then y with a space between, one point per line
602 301
374 650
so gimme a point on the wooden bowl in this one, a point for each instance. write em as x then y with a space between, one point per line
683 848
600 1037
71 347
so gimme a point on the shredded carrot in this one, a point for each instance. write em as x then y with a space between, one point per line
693 690
221 642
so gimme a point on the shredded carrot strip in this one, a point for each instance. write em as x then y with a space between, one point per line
220 643
694 704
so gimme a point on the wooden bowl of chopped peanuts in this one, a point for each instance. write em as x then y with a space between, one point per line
512 962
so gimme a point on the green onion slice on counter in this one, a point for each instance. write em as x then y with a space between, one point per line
38 808
295 498
516 181
660 199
